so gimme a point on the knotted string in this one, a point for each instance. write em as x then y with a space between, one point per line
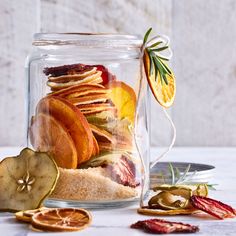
161 41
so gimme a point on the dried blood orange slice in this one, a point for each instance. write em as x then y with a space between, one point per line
213 207
61 219
124 99
49 135
74 121
163 91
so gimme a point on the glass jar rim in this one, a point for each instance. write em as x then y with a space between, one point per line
88 39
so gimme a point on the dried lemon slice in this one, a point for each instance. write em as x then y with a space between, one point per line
163 91
26 180
61 219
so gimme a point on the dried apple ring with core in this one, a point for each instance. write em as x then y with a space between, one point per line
74 121
26 180
49 135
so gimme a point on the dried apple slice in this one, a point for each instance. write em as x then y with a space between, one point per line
73 120
124 98
49 135
26 180
78 88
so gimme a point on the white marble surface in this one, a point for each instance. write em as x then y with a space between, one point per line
116 221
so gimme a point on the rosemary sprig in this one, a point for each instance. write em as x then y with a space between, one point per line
157 64
183 178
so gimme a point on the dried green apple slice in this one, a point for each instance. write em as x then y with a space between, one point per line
26 180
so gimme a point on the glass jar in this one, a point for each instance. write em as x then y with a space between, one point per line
88 108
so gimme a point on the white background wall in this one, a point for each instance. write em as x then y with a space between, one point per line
203 35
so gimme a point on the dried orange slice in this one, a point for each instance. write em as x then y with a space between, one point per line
164 93
73 120
61 219
124 99
49 135
21 217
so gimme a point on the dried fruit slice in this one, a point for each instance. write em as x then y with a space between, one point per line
167 201
213 207
61 219
78 88
124 98
21 217
26 216
160 212
123 172
107 146
49 135
91 98
73 120
95 147
26 180
73 76
102 135
106 75
158 226
164 93
89 79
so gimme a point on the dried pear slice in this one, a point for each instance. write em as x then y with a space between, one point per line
167 201
26 180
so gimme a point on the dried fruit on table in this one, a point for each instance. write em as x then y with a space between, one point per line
176 196
49 135
61 219
213 207
185 191
124 99
158 226
160 212
26 180
167 201
73 120
26 215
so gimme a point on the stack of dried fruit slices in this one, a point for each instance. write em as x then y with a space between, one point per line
86 124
